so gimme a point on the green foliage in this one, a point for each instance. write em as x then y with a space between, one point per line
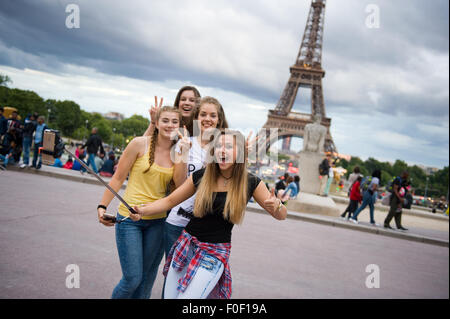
26 102
73 122
4 80
134 126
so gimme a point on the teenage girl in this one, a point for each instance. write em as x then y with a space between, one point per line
197 265
148 163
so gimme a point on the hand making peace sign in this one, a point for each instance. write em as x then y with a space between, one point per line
154 109
184 140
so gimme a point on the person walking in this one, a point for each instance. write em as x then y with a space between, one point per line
198 263
93 144
396 201
369 197
352 179
140 245
355 198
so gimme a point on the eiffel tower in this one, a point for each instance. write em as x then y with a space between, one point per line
307 72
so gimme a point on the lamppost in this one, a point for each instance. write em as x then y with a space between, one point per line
87 121
48 120
112 142
426 188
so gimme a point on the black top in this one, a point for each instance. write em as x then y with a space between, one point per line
213 228
93 144
280 185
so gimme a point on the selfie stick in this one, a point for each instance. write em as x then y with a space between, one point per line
104 183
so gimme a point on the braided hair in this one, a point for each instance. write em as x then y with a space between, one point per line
154 136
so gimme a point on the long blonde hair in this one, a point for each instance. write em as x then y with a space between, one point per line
237 195
154 136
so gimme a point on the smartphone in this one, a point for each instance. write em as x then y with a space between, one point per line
109 217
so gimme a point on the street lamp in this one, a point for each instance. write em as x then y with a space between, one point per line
112 142
87 121
426 187
49 110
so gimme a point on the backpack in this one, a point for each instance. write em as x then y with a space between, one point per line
323 169
390 185
365 183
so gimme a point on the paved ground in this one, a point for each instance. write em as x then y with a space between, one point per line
48 223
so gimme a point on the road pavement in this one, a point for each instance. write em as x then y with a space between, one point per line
47 224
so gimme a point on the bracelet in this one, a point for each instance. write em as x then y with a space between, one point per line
101 206
279 206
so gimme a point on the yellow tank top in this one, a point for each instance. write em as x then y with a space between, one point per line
146 187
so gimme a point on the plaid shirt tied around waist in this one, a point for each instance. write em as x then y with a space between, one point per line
179 252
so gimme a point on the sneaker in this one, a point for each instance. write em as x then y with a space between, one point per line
402 228
354 221
387 226
2 167
374 224
23 166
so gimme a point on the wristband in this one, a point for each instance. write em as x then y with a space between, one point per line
101 206
279 206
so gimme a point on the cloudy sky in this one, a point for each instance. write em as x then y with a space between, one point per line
385 88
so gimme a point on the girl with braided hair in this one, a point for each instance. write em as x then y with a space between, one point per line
149 165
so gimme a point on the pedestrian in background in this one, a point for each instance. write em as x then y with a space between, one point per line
369 198
324 171
29 126
38 142
396 201
93 144
355 198
281 183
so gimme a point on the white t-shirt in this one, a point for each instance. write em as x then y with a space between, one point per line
181 214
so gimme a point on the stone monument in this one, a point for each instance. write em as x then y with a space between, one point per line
309 159
312 155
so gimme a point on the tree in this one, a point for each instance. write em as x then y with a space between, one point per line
398 167
4 80
134 126
26 102
68 117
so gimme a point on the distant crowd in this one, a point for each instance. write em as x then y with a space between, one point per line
18 139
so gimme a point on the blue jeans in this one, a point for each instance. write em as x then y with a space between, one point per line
140 247
327 188
8 158
368 199
91 160
36 155
26 149
201 285
171 234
